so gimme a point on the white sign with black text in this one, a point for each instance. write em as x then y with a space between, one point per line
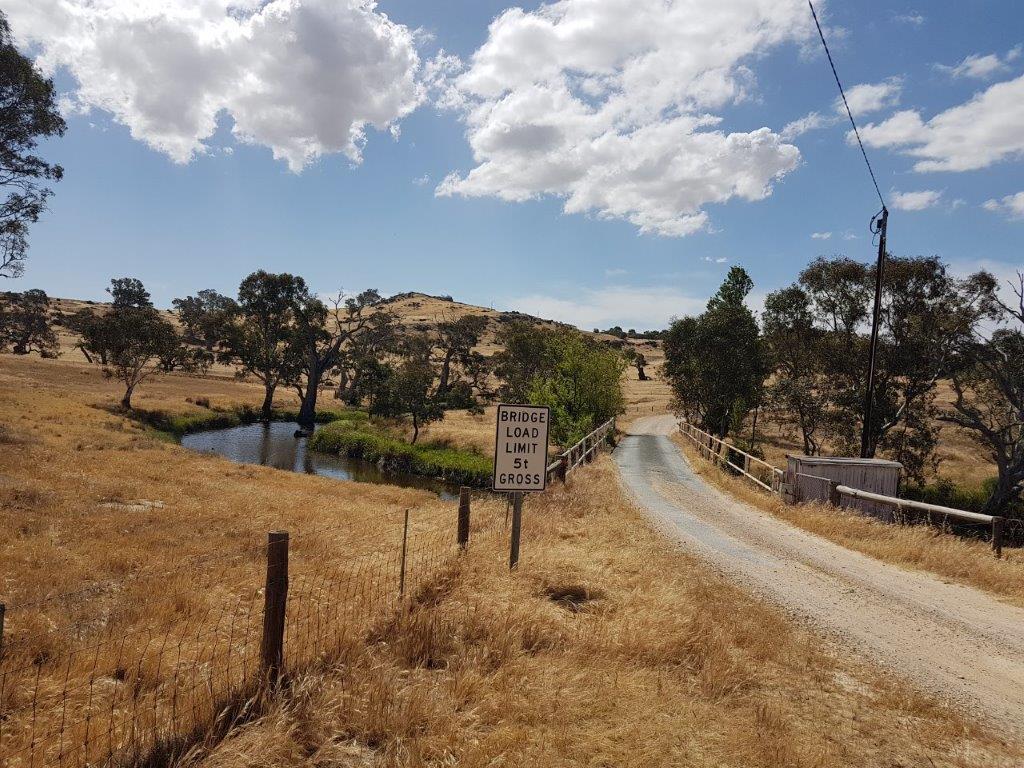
521 448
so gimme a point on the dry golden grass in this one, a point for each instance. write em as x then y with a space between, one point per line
644 398
608 647
89 498
914 546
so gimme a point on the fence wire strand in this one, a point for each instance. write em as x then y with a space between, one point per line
136 692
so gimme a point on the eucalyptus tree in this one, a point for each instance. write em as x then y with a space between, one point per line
258 332
988 386
28 113
319 337
716 361
25 324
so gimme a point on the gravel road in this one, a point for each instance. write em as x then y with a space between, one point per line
949 640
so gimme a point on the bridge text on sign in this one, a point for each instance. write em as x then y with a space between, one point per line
521 448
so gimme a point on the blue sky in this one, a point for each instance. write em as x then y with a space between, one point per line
144 206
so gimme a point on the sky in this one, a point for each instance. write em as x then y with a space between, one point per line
600 162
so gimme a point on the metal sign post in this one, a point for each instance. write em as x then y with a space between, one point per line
520 459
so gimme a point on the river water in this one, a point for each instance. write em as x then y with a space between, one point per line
274 445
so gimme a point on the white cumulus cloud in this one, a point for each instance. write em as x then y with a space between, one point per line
871 97
810 122
987 129
980 66
609 105
916 201
1011 206
302 77
821 235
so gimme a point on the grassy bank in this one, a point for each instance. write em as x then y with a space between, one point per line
362 440
180 424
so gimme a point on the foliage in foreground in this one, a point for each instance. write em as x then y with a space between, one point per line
363 441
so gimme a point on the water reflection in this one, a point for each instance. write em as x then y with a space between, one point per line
274 445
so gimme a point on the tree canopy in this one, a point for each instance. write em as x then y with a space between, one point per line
28 113
715 362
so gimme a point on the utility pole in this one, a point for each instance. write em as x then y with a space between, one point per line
865 438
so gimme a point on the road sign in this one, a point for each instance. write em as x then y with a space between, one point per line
521 448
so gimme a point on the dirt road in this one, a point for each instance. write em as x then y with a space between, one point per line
949 640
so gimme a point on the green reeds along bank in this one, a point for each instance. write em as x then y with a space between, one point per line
361 441
180 424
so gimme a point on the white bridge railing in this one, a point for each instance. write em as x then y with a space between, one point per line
581 452
720 452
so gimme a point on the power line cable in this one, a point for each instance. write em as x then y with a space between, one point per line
842 93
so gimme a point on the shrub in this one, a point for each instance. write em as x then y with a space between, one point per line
360 441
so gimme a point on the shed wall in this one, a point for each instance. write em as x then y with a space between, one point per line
809 476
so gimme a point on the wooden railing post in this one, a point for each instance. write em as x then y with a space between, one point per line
274 606
997 537
833 493
563 467
463 517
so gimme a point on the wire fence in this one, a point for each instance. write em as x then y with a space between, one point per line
155 690
583 451
158 665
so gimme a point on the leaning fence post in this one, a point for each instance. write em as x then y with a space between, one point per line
463 517
997 538
274 606
563 467
405 541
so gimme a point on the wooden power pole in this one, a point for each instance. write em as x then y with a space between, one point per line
869 396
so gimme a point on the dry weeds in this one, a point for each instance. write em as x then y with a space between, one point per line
607 647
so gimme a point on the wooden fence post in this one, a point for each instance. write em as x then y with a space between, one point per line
563 467
997 538
405 543
463 517
274 606
517 527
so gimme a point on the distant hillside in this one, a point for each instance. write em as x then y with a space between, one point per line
417 311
